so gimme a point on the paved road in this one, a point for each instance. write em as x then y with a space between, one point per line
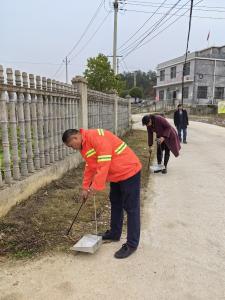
182 252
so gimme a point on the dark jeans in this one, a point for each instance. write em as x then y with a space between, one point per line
179 130
125 195
160 149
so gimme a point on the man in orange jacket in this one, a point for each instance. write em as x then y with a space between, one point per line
108 158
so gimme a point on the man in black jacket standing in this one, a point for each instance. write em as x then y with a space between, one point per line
181 122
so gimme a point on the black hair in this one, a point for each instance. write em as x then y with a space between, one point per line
147 118
179 105
67 134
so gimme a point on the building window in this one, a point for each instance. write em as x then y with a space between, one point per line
173 72
202 92
162 75
161 95
187 69
168 96
186 92
219 93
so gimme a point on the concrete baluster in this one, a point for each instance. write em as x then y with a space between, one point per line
50 111
46 131
27 116
13 126
4 128
40 121
34 123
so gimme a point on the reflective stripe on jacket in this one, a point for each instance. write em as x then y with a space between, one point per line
107 158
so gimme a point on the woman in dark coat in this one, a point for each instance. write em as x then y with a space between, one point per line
167 138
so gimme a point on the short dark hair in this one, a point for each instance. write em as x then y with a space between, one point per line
179 105
67 134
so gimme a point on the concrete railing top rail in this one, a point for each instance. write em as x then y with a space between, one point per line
21 82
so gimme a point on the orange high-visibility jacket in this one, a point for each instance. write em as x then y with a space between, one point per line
107 158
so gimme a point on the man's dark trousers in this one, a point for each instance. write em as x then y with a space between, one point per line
179 130
125 195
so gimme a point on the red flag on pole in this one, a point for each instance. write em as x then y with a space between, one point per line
208 36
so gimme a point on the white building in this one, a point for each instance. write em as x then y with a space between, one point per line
204 79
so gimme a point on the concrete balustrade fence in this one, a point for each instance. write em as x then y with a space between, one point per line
101 109
34 112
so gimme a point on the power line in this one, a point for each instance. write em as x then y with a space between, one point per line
90 39
82 36
124 62
154 27
58 70
86 29
169 4
140 27
169 25
107 10
199 17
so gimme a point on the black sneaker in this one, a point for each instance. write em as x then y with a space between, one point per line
124 251
164 171
185 142
109 236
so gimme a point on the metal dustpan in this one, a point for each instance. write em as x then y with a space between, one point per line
89 242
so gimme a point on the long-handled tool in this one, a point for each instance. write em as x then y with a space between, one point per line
69 229
149 159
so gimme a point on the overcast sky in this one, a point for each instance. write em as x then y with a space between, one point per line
37 35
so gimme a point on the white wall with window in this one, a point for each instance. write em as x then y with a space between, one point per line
161 95
173 72
202 92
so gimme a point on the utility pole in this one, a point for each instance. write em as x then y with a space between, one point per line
214 81
66 61
117 63
116 6
135 80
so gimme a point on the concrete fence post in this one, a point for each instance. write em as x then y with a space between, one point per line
50 113
40 122
21 121
63 122
34 123
13 126
45 117
55 128
27 116
4 127
59 119
129 112
80 83
116 114
67 113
